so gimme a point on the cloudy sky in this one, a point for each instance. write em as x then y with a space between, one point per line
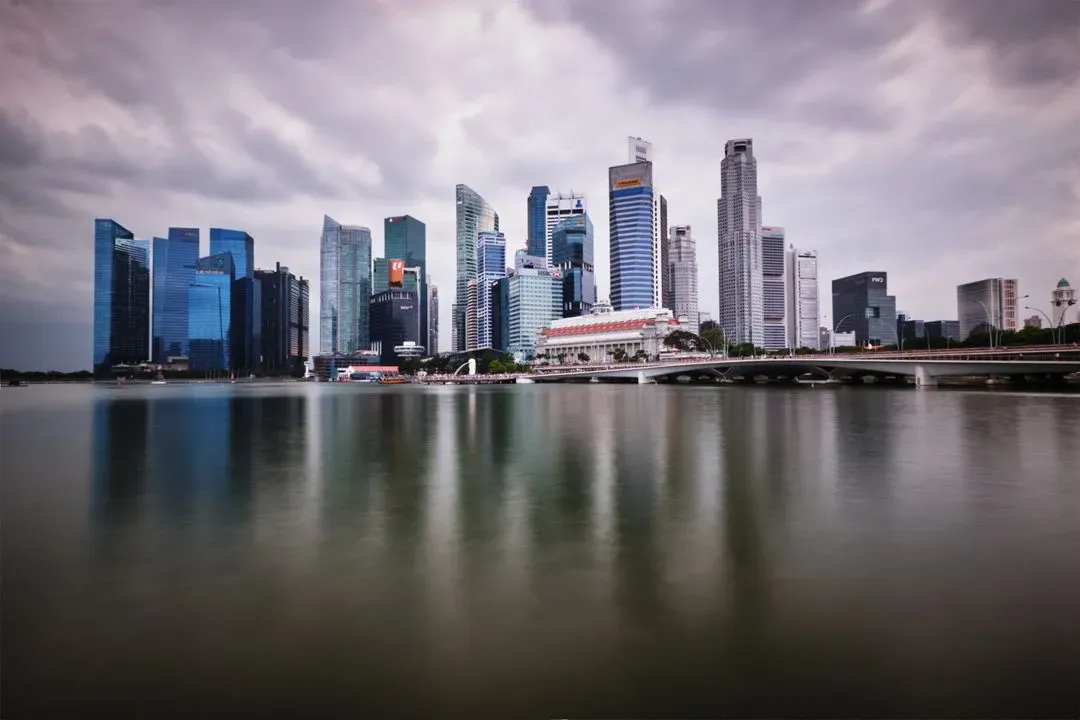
937 140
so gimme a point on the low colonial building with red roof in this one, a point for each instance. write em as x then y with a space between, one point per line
599 334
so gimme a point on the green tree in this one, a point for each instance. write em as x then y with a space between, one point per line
583 357
713 337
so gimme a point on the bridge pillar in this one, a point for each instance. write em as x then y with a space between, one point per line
641 379
923 378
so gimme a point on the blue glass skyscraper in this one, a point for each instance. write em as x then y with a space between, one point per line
490 267
210 313
537 220
121 296
344 288
634 250
406 239
244 348
174 272
572 254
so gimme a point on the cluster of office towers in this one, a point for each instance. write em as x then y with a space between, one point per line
768 292
162 301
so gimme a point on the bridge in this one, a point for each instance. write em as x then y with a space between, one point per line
926 367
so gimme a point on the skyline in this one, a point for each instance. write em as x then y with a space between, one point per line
103 122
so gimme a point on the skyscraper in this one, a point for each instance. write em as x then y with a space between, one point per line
174 261
490 267
474 215
284 306
406 239
344 287
533 297
537 216
246 325
988 304
211 298
121 296
738 210
433 318
774 297
633 243
803 312
682 273
572 255
861 303
667 291
559 207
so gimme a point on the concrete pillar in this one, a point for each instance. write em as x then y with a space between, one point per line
641 379
923 378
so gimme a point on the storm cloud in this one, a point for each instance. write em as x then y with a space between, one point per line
935 139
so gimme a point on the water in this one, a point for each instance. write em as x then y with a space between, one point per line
539 551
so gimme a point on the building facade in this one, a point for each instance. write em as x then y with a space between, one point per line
471 290
395 323
599 335
559 207
121 296
988 304
774 288
490 267
667 282
246 322
174 259
943 330
572 254
406 239
1062 298
211 298
473 215
536 241
682 274
803 308
861 304
284 301
433 317
633 246
741 316
344 288
533 300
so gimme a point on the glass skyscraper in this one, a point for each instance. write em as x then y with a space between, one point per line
634 248
174 271
742 315
572 254
210 313
537 220
121 296
344 288
474 215
406 239
490 267
681 275
246 323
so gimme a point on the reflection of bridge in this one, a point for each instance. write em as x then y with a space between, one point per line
925 367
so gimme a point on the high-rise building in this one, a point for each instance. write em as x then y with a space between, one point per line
174 259
500 314
682 275
559 207
533 300
667 290
406 239
990 304
572 255
344 288
284 309
803 312
395 321
639 150
433 318
490 266
634 250
121 296
773 292
1062 298
537 219
943 330
741 316
861 304
246 323
211 298
474 215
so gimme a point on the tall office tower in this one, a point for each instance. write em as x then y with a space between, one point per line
284 323
774 294
572 255
861 304
174 259
683 274
633 245
537 219
490 267
344 288
559 207
803 319
433 318
246 323
406 239
639 150
121 296
395 316
533 300
667 293
738 211
211 312
988 304
474 215
300 332
500 313
1062 298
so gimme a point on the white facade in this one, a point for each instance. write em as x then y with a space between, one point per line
802 299
638 150
774 289
599 334
535 300
559 208
992 302
1062 299
741 315
683 274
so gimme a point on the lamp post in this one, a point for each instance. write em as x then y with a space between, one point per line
836 328
989 322
1053 330
1061 320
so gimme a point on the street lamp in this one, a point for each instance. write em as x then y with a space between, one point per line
989 322
836 328
1053 335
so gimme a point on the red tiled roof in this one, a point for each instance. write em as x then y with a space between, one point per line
597 328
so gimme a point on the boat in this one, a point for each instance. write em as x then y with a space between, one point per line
392 380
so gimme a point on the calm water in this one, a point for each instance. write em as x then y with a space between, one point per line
539 551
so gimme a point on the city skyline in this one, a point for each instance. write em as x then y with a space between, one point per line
836 172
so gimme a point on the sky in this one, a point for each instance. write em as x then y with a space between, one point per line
935 140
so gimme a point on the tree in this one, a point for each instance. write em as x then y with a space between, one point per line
640 356
682 340
583 357
713 337
562 358
618 355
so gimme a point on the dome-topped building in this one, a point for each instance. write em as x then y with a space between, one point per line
1062 298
